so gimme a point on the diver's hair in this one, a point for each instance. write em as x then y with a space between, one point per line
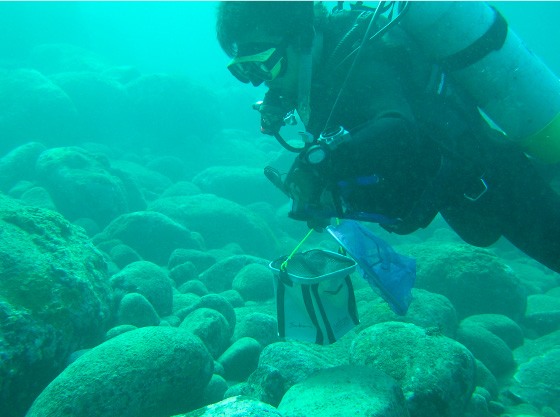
290 20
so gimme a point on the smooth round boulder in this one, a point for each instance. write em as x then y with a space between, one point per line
153 235
474 279
348 390
212 328
136 310
240 359
254 282
236 407
148 279
149 372
502 326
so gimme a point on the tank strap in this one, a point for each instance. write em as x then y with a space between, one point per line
492 40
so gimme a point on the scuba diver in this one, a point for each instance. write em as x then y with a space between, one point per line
398 130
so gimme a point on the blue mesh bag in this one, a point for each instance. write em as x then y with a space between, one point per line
392 274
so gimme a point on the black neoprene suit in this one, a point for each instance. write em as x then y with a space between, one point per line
429 150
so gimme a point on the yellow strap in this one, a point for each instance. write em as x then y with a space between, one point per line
285 263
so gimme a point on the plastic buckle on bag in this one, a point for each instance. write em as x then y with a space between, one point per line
480 194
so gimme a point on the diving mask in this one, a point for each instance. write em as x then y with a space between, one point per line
258 62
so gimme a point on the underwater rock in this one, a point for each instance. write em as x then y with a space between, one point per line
153 235
240 359
201 260
214 391
169 109
149 180
538 380
436 374
194 287
102 105
52 58
295 361
183 273
537 347
485 379
212 328
219 277
254 282
474 280
148 279
34 108
88 225
136 310
123 255
220 222
259 326
54 299
502 326
242 184
118 330
488 348
233 297
348 390
181 189
170 166
543 313
215 302
81 184
428 310
235 406
19 164
150 372
38 197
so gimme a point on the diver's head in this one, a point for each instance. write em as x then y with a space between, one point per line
266 38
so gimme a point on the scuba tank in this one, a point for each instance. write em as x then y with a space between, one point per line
474 45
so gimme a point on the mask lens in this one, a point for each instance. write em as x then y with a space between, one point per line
257 67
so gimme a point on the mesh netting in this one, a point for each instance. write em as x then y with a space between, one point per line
314 263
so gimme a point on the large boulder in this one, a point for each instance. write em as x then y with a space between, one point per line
153 235
52 58
220 222
235 406
102 105
348 390
538 380
242 184
81 184
54 299
148 279
33 108
149 372
219 277
168 110
19 164
437 374
473 279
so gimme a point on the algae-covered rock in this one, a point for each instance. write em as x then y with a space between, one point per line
19 164
254 282
148 279
502 326
488 348
234 407
54 299
242 184
101 103
538 380
475 280
153 235
149 372
241 359
220 222
259 326
348 390
543 313
219 277
33 108
437 374
212 328
81 184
